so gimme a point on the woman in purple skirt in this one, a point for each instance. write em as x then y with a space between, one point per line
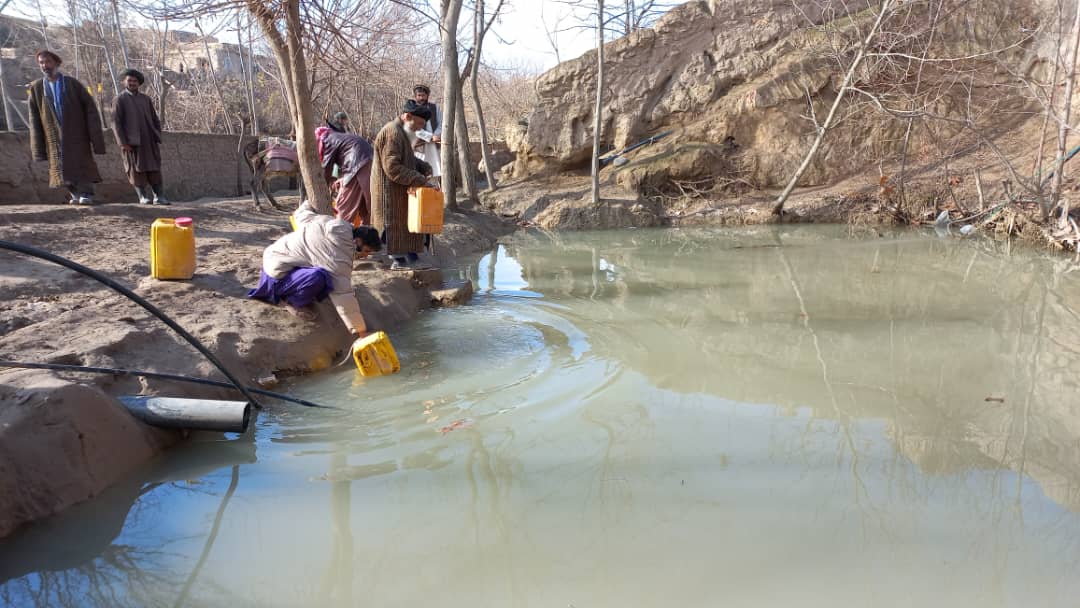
314 262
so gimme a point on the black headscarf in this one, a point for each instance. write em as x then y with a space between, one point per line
411 107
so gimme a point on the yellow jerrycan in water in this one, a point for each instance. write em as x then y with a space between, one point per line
172 248
375 355
426 211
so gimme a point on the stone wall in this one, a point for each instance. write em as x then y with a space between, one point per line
194 165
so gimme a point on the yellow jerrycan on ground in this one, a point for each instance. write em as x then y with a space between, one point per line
426 211
172 248
375 355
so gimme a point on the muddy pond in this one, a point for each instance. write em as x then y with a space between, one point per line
779 416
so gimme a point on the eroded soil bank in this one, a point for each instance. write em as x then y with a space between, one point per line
63 437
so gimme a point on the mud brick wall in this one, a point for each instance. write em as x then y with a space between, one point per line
194 165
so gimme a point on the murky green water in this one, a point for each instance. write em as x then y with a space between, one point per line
758 417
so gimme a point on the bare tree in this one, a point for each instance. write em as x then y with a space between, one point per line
286 42
1066 109
480 29
883 10
597 112
449 13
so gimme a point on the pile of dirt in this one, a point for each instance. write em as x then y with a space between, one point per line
64 437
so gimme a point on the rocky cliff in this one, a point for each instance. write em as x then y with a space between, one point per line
735 80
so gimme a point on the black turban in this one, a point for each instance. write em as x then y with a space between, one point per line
411 107
136 74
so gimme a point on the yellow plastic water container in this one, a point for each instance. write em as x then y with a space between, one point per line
426 211
375 355
172 248
292 222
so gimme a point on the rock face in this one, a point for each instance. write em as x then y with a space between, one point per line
732 79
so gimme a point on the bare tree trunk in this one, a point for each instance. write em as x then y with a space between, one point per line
289 53
108 54
468 175
251 81
778 207
249 91
914 101
597 118
1066 110
4 100
479 30
448 23
73 8
1036 170
213 76
120 34
44 28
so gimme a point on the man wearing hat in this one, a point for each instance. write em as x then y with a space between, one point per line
138 133
429 150
65 129
395 171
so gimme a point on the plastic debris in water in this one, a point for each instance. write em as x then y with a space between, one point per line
942 219
457 424
967 229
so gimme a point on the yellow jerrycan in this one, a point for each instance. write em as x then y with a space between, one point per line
292 222
426 211
375 355
172 248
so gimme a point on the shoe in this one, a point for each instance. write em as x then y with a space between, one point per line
161 201
85 200
400 264
145 201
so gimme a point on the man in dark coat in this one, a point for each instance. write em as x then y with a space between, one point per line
352 154
65 130
138 132
396 170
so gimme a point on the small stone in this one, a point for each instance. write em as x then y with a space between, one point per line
452 293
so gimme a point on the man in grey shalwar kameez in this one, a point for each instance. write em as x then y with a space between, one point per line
138 132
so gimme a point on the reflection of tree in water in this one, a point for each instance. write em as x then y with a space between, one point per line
75 559
871 329
113 575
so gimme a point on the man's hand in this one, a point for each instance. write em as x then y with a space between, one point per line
435 139
126 148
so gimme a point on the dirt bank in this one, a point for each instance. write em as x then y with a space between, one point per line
63 438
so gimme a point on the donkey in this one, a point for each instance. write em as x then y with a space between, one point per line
260 158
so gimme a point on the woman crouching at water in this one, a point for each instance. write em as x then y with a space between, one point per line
316 261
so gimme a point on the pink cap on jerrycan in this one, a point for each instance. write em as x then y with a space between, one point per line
184 222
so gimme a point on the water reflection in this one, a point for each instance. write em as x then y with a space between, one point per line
772 416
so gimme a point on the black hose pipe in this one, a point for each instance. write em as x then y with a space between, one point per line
62 261
157 375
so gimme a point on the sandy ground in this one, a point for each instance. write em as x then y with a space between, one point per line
63 438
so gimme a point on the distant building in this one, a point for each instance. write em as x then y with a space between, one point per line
225 58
